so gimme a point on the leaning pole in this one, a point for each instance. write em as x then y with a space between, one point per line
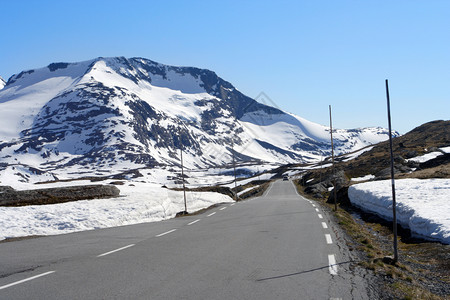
394 210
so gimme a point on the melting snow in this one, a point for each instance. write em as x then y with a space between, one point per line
423 205
363 178
140 203
425 157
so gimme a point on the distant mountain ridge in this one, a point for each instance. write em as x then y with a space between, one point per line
118 113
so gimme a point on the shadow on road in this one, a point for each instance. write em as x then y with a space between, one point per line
302 272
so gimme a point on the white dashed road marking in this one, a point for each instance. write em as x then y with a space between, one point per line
223 208
104 254
211 214
320 216
328 238
25 280
324 225
193 222
332 267
164 233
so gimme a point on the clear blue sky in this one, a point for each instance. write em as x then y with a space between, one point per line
304 55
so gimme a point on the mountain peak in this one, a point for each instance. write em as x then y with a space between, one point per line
115 112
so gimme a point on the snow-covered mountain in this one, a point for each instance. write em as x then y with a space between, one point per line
2 82
118 113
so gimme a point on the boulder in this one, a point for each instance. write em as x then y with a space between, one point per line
342 196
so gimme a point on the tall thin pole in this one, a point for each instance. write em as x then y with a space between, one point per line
394 210
332 161
234 171
182 178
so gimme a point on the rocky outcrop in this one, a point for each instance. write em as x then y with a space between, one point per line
11 197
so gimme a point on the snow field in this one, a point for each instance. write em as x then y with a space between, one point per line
423 205
140 203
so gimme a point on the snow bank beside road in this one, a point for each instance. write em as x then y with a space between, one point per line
423 205
140 203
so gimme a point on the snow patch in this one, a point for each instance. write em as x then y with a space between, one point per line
423 205
363 178
425 157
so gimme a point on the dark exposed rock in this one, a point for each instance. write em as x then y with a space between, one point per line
57 195
386 172
342 196
440 160
411 154
181 214
14 78
55 66
315 189
5 189
317 186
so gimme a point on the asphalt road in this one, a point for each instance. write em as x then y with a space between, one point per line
279 246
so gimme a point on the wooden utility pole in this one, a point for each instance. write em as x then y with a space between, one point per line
394 210
332 161
182 178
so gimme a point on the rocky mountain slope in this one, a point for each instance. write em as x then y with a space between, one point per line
113 114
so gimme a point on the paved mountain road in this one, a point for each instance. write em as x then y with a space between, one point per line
279 246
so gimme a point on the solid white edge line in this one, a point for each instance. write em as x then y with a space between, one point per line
332 267
320 216
296 191
223 208
25 280
164 233
211 214
193 222
324 225
328 238
106 253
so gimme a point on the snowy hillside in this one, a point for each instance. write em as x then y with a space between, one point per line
109 115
